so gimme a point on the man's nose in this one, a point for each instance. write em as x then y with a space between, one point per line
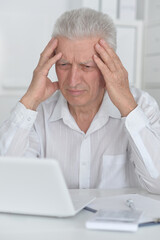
74 76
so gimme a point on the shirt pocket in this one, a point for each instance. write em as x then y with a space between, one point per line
114 171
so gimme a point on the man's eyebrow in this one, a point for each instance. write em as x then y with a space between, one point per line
87 62
90 61
62 60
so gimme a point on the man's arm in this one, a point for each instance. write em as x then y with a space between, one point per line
143 128
142 118
17 134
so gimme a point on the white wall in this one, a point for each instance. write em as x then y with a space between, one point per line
6 105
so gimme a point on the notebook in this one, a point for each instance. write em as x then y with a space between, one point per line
115 212
122 220
37 187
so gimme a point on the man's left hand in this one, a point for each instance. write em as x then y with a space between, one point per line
116 78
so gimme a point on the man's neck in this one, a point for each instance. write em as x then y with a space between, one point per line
84 115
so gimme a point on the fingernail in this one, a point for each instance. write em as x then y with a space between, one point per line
102 41
97 45
95 56
59 55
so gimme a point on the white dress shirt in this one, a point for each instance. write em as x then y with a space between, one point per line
115 152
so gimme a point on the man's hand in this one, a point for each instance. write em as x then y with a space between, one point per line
116 78
41 86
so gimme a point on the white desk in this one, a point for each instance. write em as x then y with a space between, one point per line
22 227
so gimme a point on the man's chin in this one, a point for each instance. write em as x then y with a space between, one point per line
76 98
76 102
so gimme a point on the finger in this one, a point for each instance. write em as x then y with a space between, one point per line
48 51
111 53
50 63
114 56
107 59
102 66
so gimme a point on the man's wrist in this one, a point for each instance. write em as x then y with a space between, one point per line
136 120
29 102
128 109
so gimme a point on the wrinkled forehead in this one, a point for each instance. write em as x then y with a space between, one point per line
77 49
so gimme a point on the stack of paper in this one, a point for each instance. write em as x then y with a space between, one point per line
150 209
123 220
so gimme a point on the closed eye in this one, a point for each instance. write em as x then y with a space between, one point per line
87 68
64 66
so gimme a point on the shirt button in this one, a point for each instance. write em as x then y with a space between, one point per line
84 164
29 119
21 116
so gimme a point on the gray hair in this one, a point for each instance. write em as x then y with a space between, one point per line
85 22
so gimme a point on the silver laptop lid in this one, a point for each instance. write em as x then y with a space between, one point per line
33 186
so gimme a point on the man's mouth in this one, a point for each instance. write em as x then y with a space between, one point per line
75 92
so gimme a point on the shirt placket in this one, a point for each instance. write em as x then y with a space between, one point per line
85 158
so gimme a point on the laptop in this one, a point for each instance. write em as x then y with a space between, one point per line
37 187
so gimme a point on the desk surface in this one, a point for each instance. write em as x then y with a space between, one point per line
22 227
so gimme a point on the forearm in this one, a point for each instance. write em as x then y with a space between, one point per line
29 102
144 149
15 133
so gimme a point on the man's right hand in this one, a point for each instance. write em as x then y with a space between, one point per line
41 86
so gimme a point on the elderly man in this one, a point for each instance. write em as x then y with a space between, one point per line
103 133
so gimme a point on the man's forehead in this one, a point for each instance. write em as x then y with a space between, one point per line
86 61
79 50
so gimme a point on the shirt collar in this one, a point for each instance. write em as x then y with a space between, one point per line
61 109
107 109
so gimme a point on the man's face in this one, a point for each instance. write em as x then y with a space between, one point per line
80 80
